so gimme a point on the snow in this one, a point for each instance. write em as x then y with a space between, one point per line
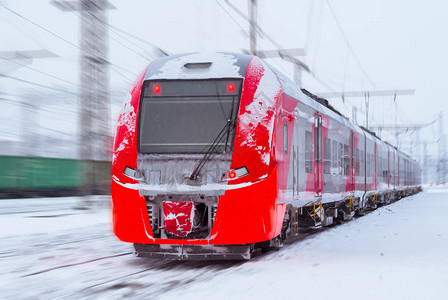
261 110
128 119
223 66
181 188
395 252
178 217
48 215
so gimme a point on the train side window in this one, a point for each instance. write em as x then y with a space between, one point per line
363 166
340 156
374 166
334 158
308 151
380 167
385 167
346 160
327 156
368 165
285 138
352 148
357 163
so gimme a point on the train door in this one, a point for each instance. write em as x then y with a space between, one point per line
388 169
351 174
394 170
318 165
295 170
297 159
375 166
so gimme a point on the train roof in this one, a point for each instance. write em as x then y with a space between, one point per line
230 65
199 66
322 104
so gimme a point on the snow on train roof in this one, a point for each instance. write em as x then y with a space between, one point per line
233 65
198 66
290 89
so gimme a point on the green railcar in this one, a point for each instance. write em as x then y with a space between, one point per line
52 176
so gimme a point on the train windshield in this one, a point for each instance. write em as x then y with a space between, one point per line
187 116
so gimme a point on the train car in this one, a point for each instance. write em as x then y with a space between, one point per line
34 176
219 154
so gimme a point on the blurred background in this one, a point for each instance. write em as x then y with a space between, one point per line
66 67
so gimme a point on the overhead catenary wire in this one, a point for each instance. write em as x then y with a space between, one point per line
236 22
24 32
258 28
41 27
38 71
38 84
114 39
233 19
52 76
273 41
348 43
54 34
137 38
316 36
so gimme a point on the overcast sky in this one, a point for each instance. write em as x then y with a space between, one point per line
400 44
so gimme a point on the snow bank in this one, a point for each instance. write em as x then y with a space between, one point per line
222 66
396 252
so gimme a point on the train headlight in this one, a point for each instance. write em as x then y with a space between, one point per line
235 173
133 173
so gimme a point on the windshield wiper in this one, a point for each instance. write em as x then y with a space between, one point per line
223 133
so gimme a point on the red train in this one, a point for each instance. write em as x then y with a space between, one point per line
218 154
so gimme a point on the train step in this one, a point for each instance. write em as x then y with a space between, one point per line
349 216
316 226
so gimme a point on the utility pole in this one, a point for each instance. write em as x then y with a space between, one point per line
418 148
93 122
367 95
409 128
425 163
442 149
93 104
285 54
253 26
355 114
367 101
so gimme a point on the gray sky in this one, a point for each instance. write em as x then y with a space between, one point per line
400 44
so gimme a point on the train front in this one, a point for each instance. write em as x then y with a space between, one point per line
194 174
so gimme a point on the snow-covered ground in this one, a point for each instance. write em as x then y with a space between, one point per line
396 252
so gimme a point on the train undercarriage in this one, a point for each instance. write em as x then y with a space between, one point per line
298 220
315 215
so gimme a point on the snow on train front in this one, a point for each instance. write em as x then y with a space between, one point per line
193 169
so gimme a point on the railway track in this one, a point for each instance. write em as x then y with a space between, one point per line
90 262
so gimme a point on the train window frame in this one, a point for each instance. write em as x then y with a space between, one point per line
317 139
368 167
352 148
340 158
346 160
308 152
357 163
363 165
198 94
285 138
334 158
327 156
